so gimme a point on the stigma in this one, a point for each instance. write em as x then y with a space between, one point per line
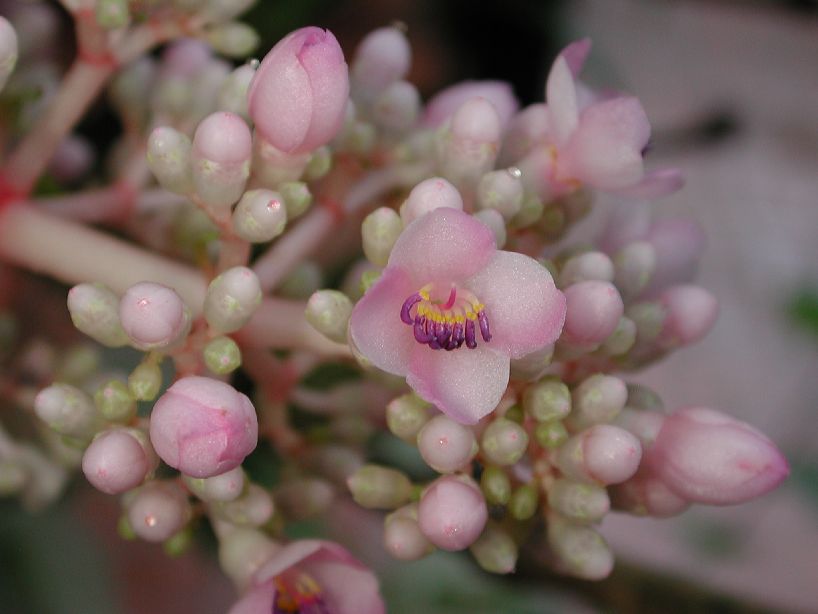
445 320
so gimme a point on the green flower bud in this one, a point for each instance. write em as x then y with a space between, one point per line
550 435
378 487
67 410
94 311
495 550
222 355
169 159
379 231
328 311
547 400
622 339
406 415
319 165
233 39
115 402
578 501
504 442
297 198
523 502
145 381
496 485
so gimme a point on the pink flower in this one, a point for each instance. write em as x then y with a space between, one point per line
450 311
312 576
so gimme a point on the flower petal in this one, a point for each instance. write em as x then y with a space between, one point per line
444 104
349 588
375 325
575 55
445 245
561 96
258 599
525 310
606 149
464 384
654 184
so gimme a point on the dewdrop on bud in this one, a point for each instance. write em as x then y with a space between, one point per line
397 107
226 486
598 399
429 195
470 145
550 435
376 487
328 312
222 355
452 513
67 410
115 462
633 268
402 536
253 508
495 550
203 427
158 510
495 485
112 14
502 191
232 39
602 454
494 221
231 299
580 550
304 498
381 58
577 501
8 50
220 159
115 402
690 312
379 231
504 442
232 95
547 400
145 381
523 502
446 445
589 266
622 339
153 316
169 158
94 311
297 198
242 552
593 312
406 415
260 216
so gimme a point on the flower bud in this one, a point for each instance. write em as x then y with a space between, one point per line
8 50
495 550
242 552
452 513
406 415
231 299
226 486
496 485
531 210
593 312
67 410
298 96
115 462
153 316
232 95
304 498
232 39
145 380
158 510
550 435
169 154
678 244
523 502
646 495
494 221
252 509
95 311
297 198
527 129
397 107
446 445
203 427
590 266
690 312
708 457
447 102
580 550
112 14
469 148
602 454
649 318
271 166
429 195
547 400
533 365
579 502
379 232
220 159
381 58
502 191
644 423
224 10
378 487
115 402
598 399
642 397
622 339
328 312
504 442
402 536
634 265
260 216
222 355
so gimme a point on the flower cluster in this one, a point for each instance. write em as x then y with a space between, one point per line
472 329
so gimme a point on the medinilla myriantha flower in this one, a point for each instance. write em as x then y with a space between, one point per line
450 311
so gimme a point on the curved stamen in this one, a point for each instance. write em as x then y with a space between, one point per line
485 332
420 330
410 302
446 325
471 341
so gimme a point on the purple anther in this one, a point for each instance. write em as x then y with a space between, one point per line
422 335
482 318
413 300
443 333
458 334
434 344
471 341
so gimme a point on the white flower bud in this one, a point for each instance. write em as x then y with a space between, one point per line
579 502
233 39
397 107
580 550
495 550
67 410
328 311
494 221
379 231
222 355
502 191
232 95
231 299
297 198
597 400
260 216
95 311
406 415
547 400
377 487
8 50
169 160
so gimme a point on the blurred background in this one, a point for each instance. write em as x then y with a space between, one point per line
731 88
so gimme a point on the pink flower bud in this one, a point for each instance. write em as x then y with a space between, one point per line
690 312
525 130
185 57
382 58
402 536
298 96
469 148
590 266
594 309
452 513
679 244
115 462
158 510
446 102
602 454
446 445
645 494
153 316
428 195
598 399
580 550
203 427
708 457
220 157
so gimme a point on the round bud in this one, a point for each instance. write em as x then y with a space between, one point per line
602 454
494 221
231 299
220 159
580 550
406 415
226 486
577 501
381 58
531 211
319 165
496 485
297 198
242 552
233 93
593 312
158 510
550 435
402 536
8 50
222 355
644 494
252 509
690 312
379 231
378 487
429 195
523 502
495 550
622 339
145 381
547 400
504 442
397 107
452 513
232 39
260 216
596 400
95 311
502 191
633 267
648 318
446 445
115 401
67 410
469 148
328 312
115 462
590 266
644 423
153 316
169 160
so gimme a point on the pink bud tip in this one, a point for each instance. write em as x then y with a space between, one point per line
152 315
203 427
429 195
706 456
115 462
445 445
383 57
444 104
452 513
223 138
594 310
477 121
690 312
610 454
299 93
158 511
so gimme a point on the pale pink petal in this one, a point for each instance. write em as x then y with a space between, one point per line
525 130
445 245
561 96
464 384
575 55
444 104
257 601
297 553
349 588
656 184
525 310
679 244
375 325
627 222
606 149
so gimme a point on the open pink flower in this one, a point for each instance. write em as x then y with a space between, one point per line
312 576
450 311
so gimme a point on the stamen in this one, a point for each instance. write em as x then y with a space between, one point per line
420 330
446 325
471 342
452 297
407 305
484 326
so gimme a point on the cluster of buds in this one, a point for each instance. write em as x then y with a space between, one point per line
472 329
